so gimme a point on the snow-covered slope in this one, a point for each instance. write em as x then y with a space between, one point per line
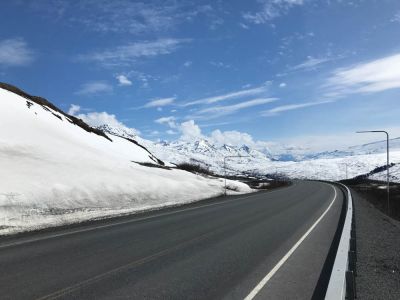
394 174
370 148
54 171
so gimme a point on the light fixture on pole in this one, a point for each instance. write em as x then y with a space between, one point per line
387 162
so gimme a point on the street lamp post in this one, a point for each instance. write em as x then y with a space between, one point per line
225 157
345 165
387 162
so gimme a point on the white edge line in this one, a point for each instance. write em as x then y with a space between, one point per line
27 241
265 280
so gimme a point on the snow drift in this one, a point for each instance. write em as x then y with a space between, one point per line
56 170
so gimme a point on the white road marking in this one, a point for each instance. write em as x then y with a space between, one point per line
125 222
265 280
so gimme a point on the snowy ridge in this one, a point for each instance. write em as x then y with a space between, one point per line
56 172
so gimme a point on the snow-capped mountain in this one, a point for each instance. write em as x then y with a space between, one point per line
291 162
55 169
200 151
209 155
118 131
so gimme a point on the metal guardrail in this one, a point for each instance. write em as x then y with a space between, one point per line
342 280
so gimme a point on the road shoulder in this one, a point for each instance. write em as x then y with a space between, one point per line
378 255
299 275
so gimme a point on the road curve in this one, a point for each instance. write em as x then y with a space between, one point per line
222 248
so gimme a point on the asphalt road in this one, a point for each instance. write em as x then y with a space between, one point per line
267 245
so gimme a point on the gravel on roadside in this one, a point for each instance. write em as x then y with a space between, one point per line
378 252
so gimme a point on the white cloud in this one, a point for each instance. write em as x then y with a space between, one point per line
310 63
220 64
396 17
123 80
217 111
171 132
96 119
368 77
228 96
218 137
288 107
122 16
190 131
130 53
187 63
234 137
94 87
244 26
74 109
282 85
15 52
170 121
160 102
154 132
271 9
142 78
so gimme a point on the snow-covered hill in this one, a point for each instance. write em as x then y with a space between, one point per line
370 148
55 169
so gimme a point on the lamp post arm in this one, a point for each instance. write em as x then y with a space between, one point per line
387 163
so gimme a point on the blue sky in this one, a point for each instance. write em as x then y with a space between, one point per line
301 72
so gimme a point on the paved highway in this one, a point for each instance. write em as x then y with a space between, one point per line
266 245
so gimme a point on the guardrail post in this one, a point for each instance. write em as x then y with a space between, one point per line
353 245
352 262
350 286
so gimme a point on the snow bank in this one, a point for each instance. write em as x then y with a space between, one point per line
53 172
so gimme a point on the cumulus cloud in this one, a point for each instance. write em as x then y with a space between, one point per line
190 131
74 109
282 85
123 80
233 137
15 52
96 119
94 87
